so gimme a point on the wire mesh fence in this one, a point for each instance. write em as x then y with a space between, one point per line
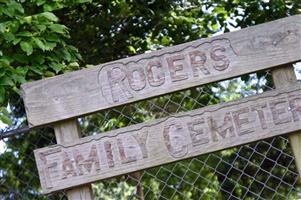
260 170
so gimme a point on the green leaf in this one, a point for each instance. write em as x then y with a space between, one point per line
66 55
19 78
49 74
6 80
21 58
58 28
40 2
9 11
39 43
50 16
74 64
9 36
2 27
27 19
4 111
13 26
47 7
53 38
39 59
4 62
16 6
41 27
22 70
25 34
165 40
215 27
2 94
16 41
57 67
36 70
26 47
50 45
132 49
6 120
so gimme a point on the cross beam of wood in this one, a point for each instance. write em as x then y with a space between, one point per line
170 139
160 72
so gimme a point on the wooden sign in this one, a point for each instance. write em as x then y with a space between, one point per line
169 139
164 71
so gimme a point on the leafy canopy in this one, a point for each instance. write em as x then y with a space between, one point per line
34 45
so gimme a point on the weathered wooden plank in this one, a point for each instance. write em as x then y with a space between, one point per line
68 132
164 71
285 77
169 139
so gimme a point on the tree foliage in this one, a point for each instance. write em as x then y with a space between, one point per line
34 45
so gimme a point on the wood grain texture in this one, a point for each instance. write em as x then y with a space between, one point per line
164 71
169 139
68 132
285 77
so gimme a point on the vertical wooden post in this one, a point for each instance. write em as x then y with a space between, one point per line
66 132
139 187
283 77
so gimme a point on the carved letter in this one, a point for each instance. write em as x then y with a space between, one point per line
276 112
239 121
47 166
119 91
198 64
197 135
259 110
155 79
173 141
295 107
136 79
109 154
87 163
68 168
123 157
141 140
222 130
224 62
173 68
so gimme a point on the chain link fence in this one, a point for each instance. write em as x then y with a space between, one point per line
260 170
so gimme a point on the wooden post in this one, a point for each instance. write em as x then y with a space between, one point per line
66 132
136 176
284 77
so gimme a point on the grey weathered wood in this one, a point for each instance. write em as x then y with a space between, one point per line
164 71
68 132
169 139
285 77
